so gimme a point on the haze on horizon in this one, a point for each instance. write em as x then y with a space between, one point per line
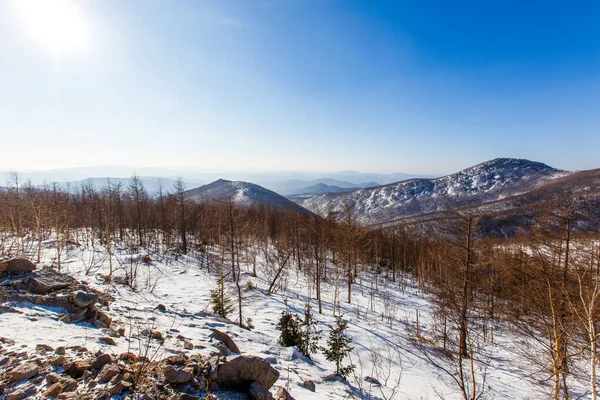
269 86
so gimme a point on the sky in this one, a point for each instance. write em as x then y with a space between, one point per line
422 87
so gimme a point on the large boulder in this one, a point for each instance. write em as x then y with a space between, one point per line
239 372
227 340
17 265
46 281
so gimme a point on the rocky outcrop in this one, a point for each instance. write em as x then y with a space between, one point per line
257 391
241 371
16 265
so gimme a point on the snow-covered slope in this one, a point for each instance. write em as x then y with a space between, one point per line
243 193
381 318
486 182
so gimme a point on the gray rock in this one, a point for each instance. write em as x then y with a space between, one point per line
46 281
176 375
310 385
17 265
241 371
257 391
227 340
83 300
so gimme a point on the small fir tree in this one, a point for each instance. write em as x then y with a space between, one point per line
290 327
339 348
309 342
221 303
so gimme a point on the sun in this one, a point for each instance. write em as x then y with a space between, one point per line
57 25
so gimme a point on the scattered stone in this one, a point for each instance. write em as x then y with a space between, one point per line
104 319
227 340
82 299
283 394
69 384
116 388
241 371
54 390
43 348
108 340
60 351
76 369
161 307
176 375
101 360
24 371
52 378
108 372
188 346
17 265
76 316
60 361
257 391
20 392
310 385
179 359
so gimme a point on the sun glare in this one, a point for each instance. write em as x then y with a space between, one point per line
57 25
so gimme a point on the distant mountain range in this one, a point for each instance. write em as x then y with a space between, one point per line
242 193
484 183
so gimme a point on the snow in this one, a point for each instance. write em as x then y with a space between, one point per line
382 317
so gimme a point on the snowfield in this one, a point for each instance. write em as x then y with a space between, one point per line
382 321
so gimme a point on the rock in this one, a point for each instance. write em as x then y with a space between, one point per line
53 390
310 385
128 357
76 369
76 316
188 346
104 319
161 307
101 360
257 391
223 350
43 348
108 340
52 378
69 396
241 371
69 384
24 371
283 394
82 299
17 265
180 359
60 360
116 388
108 372
20 392
176 375
60 351
227 340
46 281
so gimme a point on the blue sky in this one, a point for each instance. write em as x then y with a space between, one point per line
425 87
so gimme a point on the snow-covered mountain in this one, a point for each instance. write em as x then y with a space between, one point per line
482 183
244 193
